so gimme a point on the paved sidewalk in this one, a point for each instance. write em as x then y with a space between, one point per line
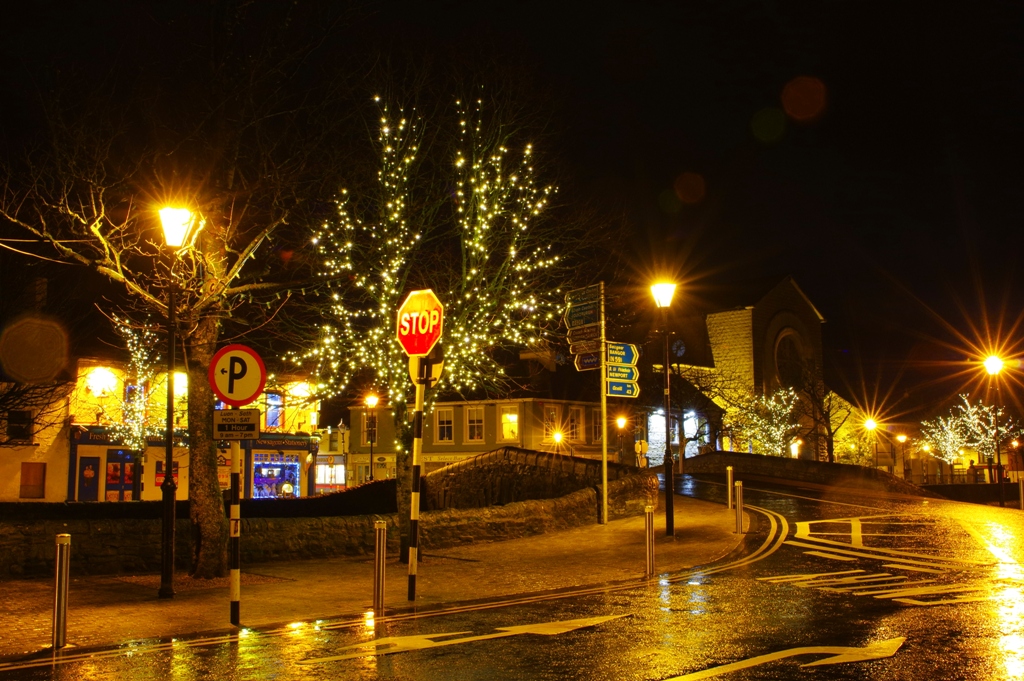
106 610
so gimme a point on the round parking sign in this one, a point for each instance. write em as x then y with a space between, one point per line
237 375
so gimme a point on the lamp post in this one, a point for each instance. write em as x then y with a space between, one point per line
371 425
902 439
993 365
621 423
178 224
663 293
871 424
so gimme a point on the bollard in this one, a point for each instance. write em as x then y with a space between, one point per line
728 485
649 527
60 598
379 556
739 506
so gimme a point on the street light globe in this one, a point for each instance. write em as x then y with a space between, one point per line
176 223
926 447
993 365
621 422
558 437
870 424
371 400
901 438
663 292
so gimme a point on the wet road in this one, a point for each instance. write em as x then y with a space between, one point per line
858 587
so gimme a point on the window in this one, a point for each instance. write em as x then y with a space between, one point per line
550 422
574 427
595 421
275 410
474 424
33 480
509 424
369 426
444 430
19 425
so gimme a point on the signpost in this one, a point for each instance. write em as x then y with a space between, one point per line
623 353
583 314
419 326
621 372
623 389
584 333
237 376
585 347
587 362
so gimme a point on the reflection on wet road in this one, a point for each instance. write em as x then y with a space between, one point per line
825 587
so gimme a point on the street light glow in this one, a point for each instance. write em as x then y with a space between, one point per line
557 437
870 424
371 400
663 292
901 438
621 422
177 223
993 365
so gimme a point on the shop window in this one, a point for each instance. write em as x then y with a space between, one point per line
444 429
595 422
509 423
33 480
19 425
474 424
275 410
550 422
574 427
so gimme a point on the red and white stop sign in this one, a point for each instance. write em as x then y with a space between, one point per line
420 320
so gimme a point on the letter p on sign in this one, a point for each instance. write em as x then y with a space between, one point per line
420 322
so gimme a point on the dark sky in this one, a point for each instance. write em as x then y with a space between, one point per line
898 208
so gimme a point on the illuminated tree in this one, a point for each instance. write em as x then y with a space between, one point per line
948 436
768 422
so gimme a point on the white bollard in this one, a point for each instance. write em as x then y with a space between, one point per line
379 562
739 506
649 527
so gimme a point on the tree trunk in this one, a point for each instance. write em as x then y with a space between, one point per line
206 504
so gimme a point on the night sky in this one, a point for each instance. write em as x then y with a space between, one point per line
891 190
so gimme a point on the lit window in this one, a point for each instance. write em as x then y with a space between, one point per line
370 426
574 427
445 431
509 423
101 381
550 422
474 424
275 410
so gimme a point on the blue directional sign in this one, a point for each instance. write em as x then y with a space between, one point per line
623 353
623 389
622 372
583 314
584 295
588 361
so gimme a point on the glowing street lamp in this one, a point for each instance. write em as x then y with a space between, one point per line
871 425
663 292
371 425
621 423
993 365
178 226
902 439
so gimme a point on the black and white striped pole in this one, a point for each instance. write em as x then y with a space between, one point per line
60 591
422 363
649 539
235 541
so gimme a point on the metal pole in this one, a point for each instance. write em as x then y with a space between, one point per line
670 522
423 375
168 487
379 557
728 486
235 541
60 593
739 506
999 464
604 417
372 423
1020 492
649 536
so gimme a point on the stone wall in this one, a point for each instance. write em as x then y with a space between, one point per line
133 545
820 472
510 474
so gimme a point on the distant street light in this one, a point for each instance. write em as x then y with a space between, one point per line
663 293
371 425
621 423
994 365
871 425
902 439
179 224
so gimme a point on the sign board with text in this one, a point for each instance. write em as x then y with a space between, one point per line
420 323
236 424
237 375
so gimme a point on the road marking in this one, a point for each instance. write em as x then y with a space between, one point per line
402 644
913 569
950 601
840 655
831 556
796 578
927 561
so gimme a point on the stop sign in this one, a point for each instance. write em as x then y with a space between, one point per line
420 319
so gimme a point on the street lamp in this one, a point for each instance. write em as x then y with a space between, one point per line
371 425
993 365
902 439
179 224
663 293
871 424
621 423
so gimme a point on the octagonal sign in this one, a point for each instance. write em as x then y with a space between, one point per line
420 321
